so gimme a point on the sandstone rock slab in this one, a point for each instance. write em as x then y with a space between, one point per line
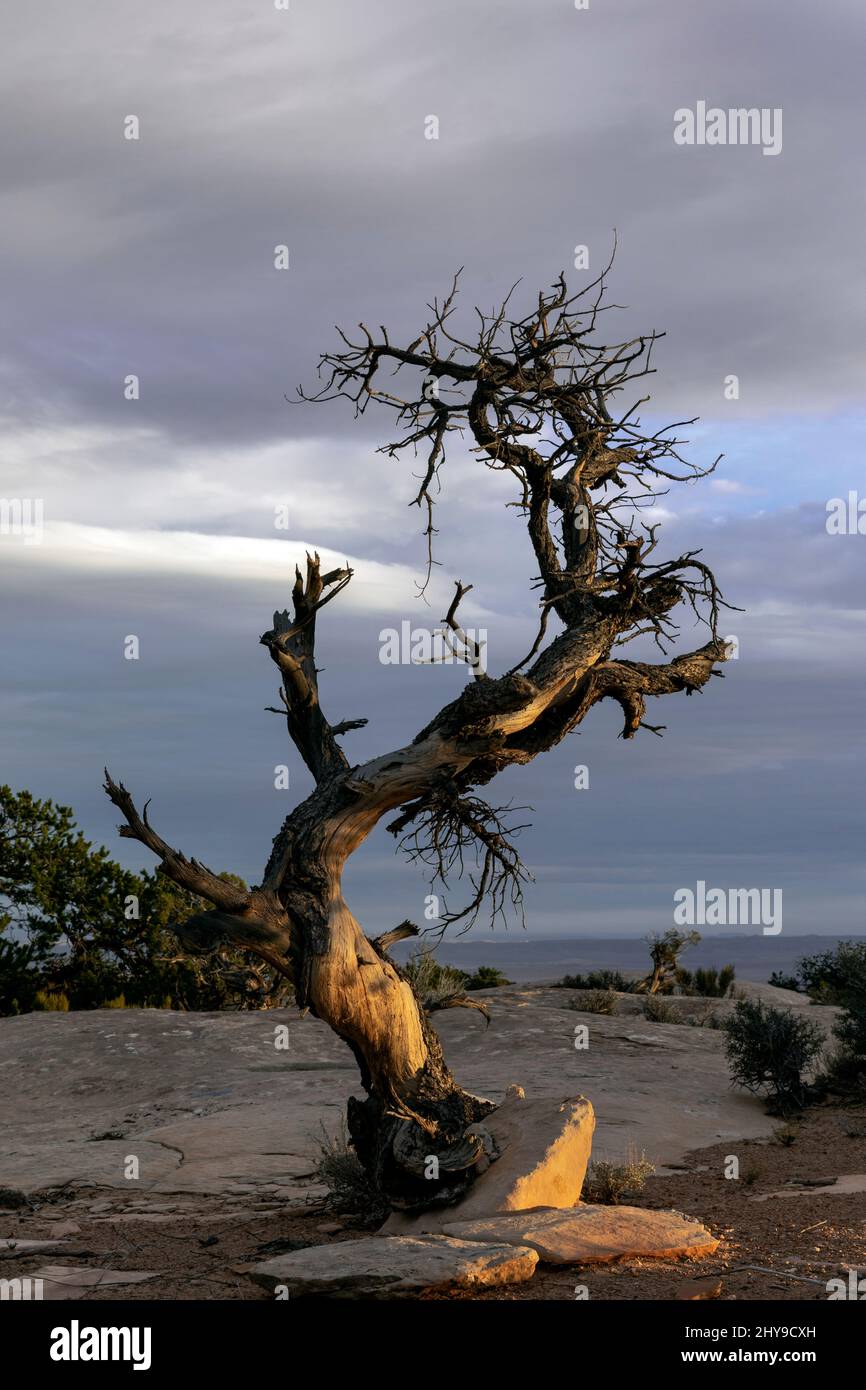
396 1267
544 1148
592 1234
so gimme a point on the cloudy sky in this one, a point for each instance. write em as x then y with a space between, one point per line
305 127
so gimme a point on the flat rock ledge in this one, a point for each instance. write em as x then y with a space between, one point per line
395 1267
592 1234
482 1254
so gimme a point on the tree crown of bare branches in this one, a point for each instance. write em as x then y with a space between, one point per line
538 397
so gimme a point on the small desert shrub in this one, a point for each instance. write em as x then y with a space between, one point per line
769 1050
51 1001
783 981
597 979
851 1028
786 1135
710 983
658 1010
595 1001
12 1197
707 1018
433 982
845 1073
606 1183
350 1188
485 977
751 1174
837 976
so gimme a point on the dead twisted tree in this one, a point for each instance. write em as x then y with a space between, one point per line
537 397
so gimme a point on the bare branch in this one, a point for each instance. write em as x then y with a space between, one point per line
400 933
445 826
345 726
291 643
253 920
188 873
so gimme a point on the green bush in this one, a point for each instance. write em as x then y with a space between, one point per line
770 1050
80 925
19 974
783 981
706 982
485 977
845 1072
850 992
607 1183
596 979
851 1030
657 1010
836 976
434 983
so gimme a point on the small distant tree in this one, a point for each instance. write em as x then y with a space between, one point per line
665 950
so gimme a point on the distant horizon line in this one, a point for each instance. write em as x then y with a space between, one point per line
505 937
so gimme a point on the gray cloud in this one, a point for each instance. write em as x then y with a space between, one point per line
156 257
259 127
